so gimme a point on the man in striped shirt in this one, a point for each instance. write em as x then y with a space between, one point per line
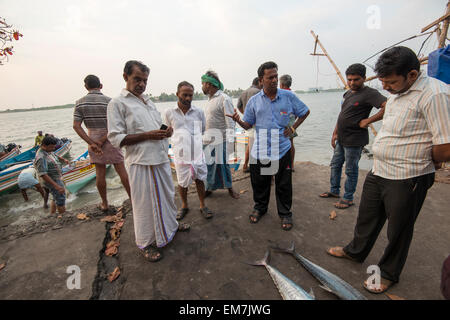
91 109
414 138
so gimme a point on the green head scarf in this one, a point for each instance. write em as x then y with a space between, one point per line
213 81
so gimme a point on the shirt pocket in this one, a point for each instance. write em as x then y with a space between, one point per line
407 118
284 117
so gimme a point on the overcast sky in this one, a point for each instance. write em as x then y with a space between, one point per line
180 39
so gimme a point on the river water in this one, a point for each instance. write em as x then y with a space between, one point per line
312 144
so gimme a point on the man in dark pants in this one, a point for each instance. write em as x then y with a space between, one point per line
269 112
350 134
414 137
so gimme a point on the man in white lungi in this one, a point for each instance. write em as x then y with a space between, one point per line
136 124
189 124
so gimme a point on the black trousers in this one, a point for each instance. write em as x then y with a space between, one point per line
261 184
398 201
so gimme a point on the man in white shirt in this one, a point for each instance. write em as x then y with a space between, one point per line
414 137
189 124
136 124
219 136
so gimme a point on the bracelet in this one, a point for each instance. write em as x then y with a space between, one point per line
293 130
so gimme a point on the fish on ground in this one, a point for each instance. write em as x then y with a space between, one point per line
288 289
330 282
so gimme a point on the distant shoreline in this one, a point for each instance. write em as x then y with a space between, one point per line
163 98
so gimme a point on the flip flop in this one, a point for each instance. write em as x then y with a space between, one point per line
343 204
182 213
341 254
385 284
206 213
286 223
182 227
329 195
256 215
151 253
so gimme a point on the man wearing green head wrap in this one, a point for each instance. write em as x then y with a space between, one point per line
219 135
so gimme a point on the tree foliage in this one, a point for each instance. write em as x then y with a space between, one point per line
7 35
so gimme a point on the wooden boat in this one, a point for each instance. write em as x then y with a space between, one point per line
21 157
77 175
14 152
9 176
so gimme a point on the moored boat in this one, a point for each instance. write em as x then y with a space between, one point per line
9 176
21 157
14 152
77 175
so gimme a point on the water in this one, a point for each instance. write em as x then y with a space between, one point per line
313 144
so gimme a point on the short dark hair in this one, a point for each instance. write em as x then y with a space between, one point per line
183 84
92 82
266 65
286 80
48 140
397 60
357 69
128 69
255 81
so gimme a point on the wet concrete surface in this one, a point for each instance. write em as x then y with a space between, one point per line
209 261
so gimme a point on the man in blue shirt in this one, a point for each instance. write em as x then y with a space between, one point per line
269 111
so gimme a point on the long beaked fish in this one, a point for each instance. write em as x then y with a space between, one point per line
288 289
330 282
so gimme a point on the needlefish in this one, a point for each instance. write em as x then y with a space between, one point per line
287 288
330 282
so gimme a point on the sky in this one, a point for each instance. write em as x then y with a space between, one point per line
63 41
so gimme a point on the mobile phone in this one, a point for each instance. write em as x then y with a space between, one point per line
163 127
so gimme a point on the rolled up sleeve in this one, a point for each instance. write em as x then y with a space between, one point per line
117 128
249 112
300 109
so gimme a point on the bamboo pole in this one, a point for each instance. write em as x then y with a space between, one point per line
337 70
329 58
447 15
445 24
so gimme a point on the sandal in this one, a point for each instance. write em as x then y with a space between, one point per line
286 223
329 195
343 204
338 252
256 215
151 253
182 213
184 227
206 213
385 284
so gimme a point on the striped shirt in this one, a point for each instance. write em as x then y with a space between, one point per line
413 122
46 163
92 110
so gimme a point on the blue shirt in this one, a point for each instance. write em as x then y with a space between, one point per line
270 119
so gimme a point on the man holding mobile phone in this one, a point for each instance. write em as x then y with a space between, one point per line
136 124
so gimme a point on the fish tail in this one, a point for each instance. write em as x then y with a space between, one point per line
263 262
291 249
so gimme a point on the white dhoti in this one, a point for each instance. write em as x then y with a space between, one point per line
188 173
153 199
